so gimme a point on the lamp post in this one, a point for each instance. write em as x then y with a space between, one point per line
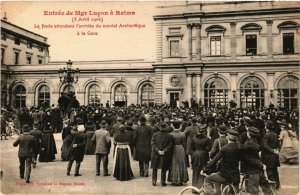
68 75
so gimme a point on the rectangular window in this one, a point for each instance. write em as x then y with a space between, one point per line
28 59
251 44
288 43
2 55
40 61
174 48
215 45
41 49
17 41
16 57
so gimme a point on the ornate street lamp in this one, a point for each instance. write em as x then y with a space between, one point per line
68 75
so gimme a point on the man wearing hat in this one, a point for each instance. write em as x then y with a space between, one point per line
229 165
103 144
78 149
37 134
190 132
161 157
142 143
251 164
26 152
270 153
214 132
216 147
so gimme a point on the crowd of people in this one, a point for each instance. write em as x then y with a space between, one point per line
220 142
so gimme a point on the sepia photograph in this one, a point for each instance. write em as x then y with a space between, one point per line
150 97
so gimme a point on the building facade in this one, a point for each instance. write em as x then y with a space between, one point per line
247 52
209 53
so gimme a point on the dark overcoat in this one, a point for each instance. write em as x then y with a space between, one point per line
37 134
268 157
200 146
190 132
229 166
142 142
77 153
162 141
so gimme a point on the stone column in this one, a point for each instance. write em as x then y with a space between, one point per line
270 37
198 43
233 39
190 27
233 76
189 88
198 87
271 97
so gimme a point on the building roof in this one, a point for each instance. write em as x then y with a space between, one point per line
19 31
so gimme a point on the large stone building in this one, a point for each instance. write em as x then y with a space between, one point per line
210 53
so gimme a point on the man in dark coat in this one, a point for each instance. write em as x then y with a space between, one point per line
190 132
37 134
161 158
214 133
142 143
229 166
26 151
251 163
270 153
77 151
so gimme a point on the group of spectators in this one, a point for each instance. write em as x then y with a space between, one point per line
222 142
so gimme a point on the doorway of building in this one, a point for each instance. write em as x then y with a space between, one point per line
120 103
174 97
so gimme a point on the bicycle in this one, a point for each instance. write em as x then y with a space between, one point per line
228 189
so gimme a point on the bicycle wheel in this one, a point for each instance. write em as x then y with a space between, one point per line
191 190
229 190
243 190
272 188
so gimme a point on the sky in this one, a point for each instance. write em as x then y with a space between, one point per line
108 44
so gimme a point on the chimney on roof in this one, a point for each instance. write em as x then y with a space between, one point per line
5 18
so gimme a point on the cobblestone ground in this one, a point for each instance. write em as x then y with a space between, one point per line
51 178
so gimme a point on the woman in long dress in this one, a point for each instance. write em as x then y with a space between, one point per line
179 173
48 146
122 169
289 150
90 147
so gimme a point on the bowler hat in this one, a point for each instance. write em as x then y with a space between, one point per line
103 123
222 129
253 131
129 123
269 124
142 119
232 132
283 122
249 122
36 125
26 128
79 120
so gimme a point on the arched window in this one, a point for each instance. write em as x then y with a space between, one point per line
288 92
252 93
68 89
147 97
44 96
215 92
120 95
20 96
94 95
